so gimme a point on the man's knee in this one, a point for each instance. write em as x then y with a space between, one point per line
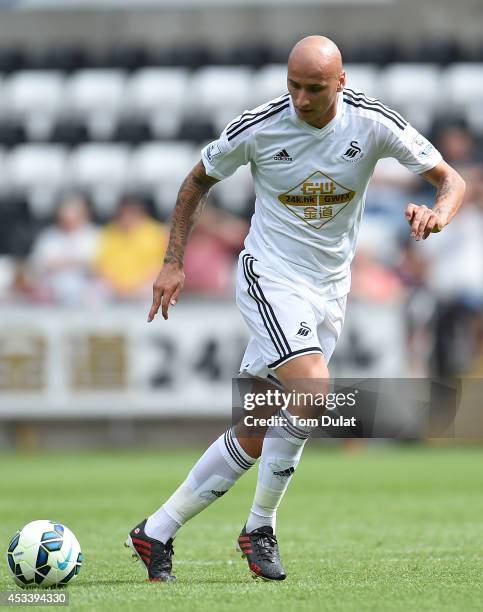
307 377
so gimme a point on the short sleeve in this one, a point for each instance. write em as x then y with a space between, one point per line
410 148
222 157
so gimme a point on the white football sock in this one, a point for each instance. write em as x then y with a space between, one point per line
216 471
281 452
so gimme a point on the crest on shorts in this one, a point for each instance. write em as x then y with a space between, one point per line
317 199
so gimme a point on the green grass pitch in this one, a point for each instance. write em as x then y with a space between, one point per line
385 528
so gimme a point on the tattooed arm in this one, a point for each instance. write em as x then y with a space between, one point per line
189 206
450 191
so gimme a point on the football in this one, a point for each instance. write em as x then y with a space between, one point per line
44 554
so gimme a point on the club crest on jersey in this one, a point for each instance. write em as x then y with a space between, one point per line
317 199
353 152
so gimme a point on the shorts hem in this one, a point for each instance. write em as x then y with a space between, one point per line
293 354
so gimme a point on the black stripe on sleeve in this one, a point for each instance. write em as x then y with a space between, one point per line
347 100
248 116
265 116
359 96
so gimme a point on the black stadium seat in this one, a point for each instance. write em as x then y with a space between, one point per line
12 59
67 59
132 132
11 134
196 130
70 132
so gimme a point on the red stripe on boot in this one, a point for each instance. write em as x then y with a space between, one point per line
141 543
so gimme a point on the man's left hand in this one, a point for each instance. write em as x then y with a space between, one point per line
423 221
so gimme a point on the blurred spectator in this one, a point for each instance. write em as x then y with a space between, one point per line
62 255
211 253
131 250
454 260
388 195
373 276
457 146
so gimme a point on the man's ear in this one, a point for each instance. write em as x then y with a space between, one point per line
342 80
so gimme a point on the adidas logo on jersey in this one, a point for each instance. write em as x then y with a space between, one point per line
304 330
283 156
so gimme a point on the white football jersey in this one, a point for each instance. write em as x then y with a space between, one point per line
311 183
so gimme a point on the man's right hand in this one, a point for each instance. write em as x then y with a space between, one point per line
166 289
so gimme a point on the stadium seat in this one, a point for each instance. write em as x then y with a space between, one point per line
364 77
417 103
12 59
268 83
2 170
11 133
255 55
122 56
197 130
159 168
159 95
463 90
60 57
35 97
132 132
219 93
96 96
7 273
69 132
38 172
101 170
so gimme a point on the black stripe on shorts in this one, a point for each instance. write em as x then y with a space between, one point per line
282 360
265 309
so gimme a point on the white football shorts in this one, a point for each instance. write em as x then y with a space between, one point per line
285 320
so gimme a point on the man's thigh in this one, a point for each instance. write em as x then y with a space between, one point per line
282 322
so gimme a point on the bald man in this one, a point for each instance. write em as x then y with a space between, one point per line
312 152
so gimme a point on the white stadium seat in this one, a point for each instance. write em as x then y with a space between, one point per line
160 167
269 82
414 90
7 272
158 94
96 96
219 93
463 90
102 169
364 77
35 97
38 171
